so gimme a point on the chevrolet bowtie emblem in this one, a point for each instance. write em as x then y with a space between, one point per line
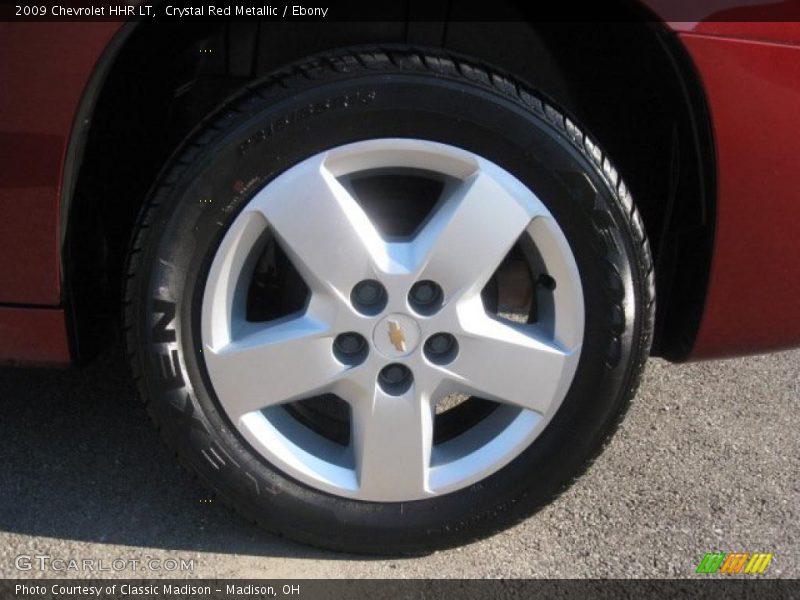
396 336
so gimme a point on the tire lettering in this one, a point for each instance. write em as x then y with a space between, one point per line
170 369
253 482
214 461
169 366
161 333
281 123
216 456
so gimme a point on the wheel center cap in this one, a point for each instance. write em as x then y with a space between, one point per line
396 335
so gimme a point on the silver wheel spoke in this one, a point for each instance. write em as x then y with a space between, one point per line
392 439
471 232
321 227
273 365
509 363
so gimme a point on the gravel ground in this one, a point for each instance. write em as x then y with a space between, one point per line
707 459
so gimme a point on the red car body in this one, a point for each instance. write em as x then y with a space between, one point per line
748 71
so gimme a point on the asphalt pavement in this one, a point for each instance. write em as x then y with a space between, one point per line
707 460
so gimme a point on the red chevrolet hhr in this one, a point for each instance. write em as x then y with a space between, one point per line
389 286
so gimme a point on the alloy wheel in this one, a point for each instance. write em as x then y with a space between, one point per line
392 325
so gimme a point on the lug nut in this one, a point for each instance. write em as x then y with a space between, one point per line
395 379
440 343
369 297
368 292
349 343
350 348
424 292
441 348
426 297
394 373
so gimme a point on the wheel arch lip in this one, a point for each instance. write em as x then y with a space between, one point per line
74 154
750 305
682 291
70 170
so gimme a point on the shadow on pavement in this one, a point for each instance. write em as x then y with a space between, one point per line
81 460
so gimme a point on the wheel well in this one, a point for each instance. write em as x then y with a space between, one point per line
631 85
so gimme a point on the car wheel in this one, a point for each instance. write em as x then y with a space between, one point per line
388 301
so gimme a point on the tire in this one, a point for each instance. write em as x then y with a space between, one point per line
424 102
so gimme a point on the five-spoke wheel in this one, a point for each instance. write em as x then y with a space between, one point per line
392 325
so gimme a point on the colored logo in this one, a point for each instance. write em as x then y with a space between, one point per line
396 336
735 562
